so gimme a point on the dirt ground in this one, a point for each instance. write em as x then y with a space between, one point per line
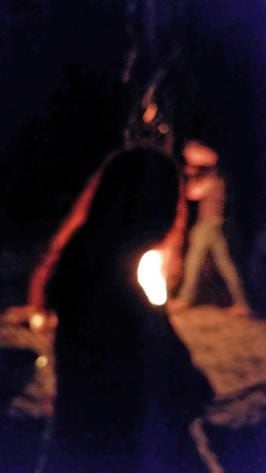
231 352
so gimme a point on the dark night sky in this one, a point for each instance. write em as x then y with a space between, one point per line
40 37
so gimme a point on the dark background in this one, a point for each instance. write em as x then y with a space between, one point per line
64 107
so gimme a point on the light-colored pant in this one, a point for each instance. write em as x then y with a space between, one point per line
207 237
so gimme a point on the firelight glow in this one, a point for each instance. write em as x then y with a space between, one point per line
151 278
37 321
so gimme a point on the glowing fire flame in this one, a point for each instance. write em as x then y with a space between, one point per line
151 278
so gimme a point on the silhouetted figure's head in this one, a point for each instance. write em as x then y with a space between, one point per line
135 203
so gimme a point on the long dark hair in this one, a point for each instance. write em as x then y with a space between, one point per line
136 197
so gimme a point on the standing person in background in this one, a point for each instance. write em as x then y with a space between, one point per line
206 186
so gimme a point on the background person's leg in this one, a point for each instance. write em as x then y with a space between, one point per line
197 251
228 271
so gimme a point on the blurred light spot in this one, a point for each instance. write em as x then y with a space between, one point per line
163 128
41 362
37 321
196 154
150 277
150 113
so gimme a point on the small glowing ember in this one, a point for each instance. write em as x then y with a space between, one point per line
150 113
37 321
41 362
151 278
163 128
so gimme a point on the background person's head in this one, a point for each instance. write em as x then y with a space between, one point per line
196 153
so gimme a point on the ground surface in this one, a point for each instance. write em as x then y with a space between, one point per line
231 351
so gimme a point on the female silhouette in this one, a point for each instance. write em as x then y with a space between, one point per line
127 387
